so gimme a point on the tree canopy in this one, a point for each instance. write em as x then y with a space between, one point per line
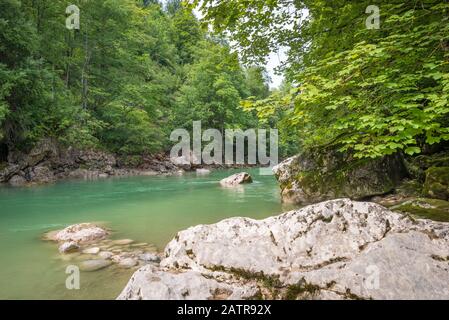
371 92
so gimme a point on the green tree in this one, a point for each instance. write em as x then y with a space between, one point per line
369 92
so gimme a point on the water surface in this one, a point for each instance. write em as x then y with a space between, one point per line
146 209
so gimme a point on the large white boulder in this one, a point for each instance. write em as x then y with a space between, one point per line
152 283
339 249
236 179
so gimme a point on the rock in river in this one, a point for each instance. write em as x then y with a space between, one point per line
149 257
339 249
94 265
93 250
236 179
79 233
68 247
150 283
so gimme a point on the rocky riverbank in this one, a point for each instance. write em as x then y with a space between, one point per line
339 249
48 162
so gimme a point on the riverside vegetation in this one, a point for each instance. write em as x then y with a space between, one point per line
362 115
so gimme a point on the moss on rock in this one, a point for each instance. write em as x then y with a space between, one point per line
437 183
433 209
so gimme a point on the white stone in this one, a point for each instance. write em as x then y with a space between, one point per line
236 179
345 248
122 242
80 233
68 247
94 265
128 262
105 254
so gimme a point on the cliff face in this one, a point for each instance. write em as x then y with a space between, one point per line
338 249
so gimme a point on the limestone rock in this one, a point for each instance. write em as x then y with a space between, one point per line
79 233
17 181
339 249
236 179
68 247
149 283
202 171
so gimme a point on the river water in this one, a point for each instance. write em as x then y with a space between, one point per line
145 209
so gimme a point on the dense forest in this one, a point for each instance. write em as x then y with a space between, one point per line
133 72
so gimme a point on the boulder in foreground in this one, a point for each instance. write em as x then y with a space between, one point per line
78 233
339 249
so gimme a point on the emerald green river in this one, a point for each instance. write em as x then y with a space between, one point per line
145 209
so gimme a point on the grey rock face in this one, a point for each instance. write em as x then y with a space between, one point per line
313 177
94 265
338 249
68 247
92 250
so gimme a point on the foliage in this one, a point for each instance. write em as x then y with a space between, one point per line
131 74
369 92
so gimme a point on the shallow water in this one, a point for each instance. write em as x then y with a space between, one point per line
146 209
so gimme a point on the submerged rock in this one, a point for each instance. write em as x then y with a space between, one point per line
149 257
434 209
122 242
337 249
105 254
202 171
236 179
17 181
128 262
150 283
312 177
94 265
